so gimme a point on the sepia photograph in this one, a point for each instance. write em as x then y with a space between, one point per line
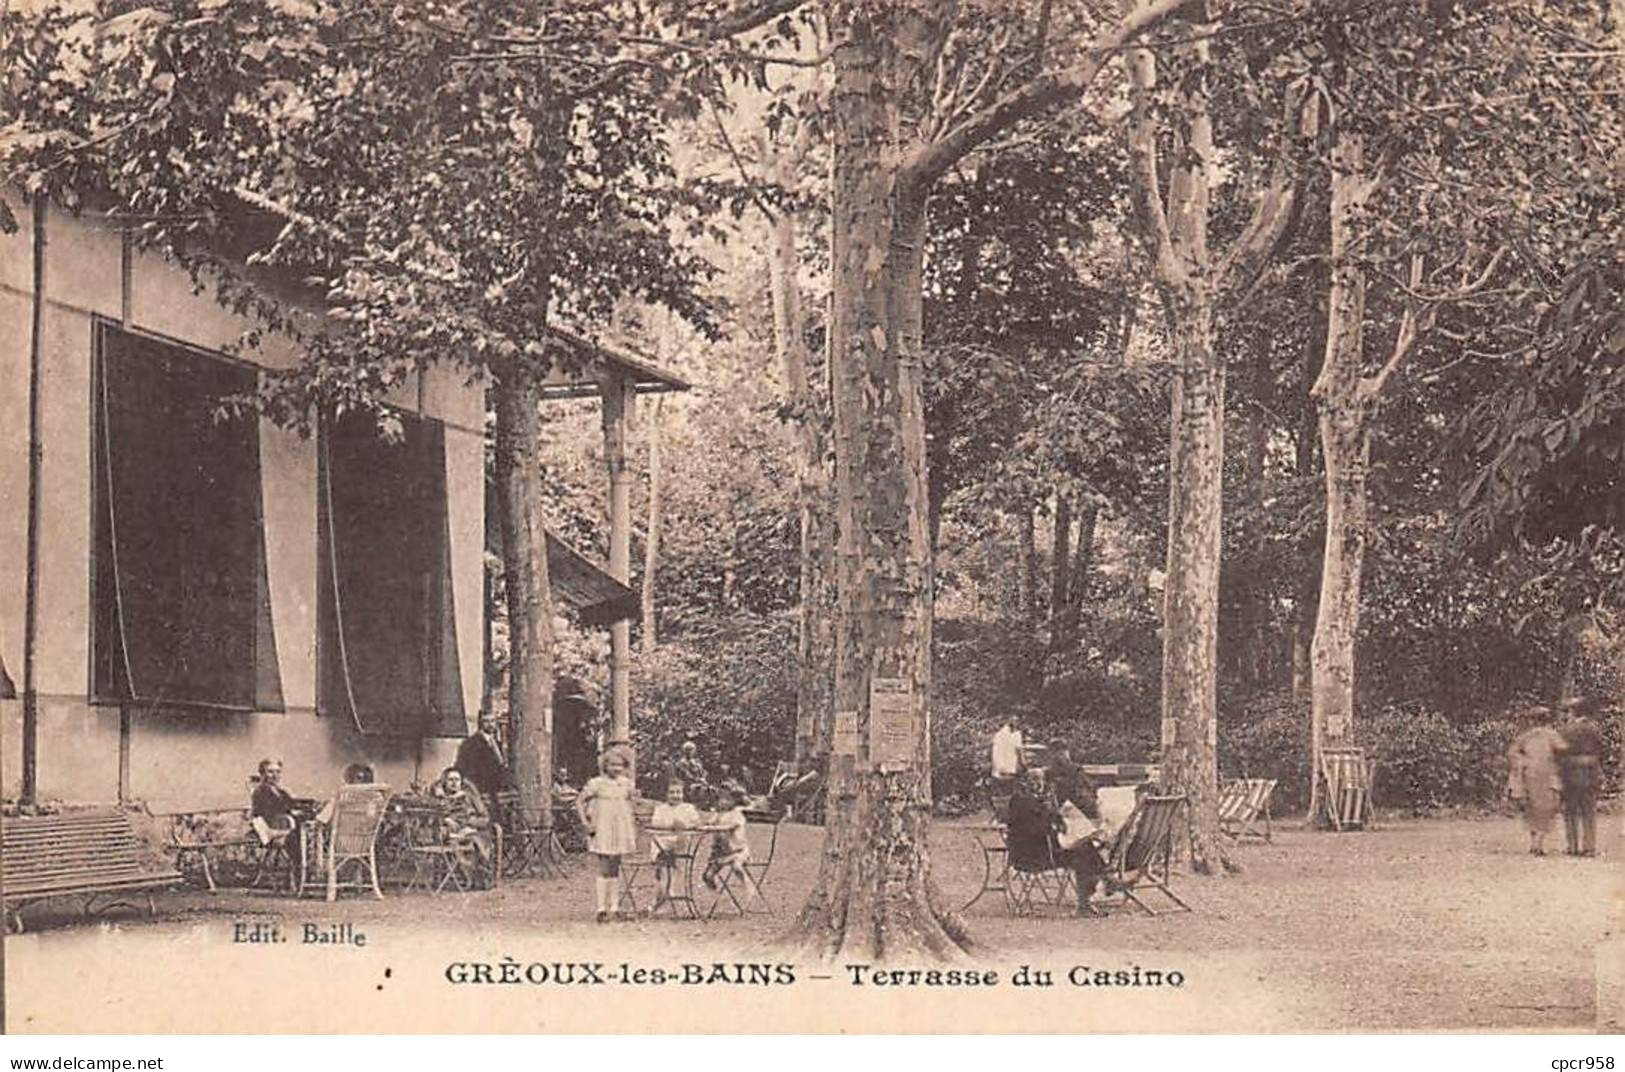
698 517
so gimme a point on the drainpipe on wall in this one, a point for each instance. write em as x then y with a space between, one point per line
36 452
125 707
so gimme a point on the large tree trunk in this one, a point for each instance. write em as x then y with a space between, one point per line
1344 407
814 617
530 601
1306 599
1191 607
1347 449
873 897
1184 272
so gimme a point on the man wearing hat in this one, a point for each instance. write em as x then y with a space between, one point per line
1580 767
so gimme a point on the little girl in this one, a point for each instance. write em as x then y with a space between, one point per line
605 807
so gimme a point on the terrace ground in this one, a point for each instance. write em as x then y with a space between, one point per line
1421 925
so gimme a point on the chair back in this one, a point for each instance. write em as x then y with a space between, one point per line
1348 785
1258 793
1147 837
358 812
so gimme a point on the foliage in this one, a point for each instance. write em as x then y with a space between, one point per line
732 691
1424 760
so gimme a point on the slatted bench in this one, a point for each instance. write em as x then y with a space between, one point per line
88 853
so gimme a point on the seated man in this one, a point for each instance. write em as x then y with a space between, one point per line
277 814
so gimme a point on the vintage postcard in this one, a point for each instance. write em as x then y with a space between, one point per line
740 516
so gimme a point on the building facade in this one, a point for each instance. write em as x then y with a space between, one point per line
213 591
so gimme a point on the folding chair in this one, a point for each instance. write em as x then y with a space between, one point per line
435 867
1242 802
1035 883
754 876
352 838
640 861
1345 779
1142 854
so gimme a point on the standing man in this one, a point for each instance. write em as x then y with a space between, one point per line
481 759
1005 766
1006 752
1580 766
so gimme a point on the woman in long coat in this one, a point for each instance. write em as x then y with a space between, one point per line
1533 779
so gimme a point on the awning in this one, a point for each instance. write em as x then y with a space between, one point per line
578 583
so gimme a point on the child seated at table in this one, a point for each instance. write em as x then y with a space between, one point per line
730 849
676 814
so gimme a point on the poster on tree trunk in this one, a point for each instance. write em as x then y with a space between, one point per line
891 723
844 738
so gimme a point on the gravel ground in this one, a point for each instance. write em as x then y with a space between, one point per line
1415 926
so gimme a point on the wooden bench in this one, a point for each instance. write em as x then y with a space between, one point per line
89 853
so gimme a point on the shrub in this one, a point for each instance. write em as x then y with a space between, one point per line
1268 738
732 691
1424 762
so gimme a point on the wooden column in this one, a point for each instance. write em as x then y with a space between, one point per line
617 395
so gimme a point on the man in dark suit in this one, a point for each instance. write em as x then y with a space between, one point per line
481 759
1580 767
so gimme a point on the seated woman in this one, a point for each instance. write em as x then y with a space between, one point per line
1033 836
464 817
277 813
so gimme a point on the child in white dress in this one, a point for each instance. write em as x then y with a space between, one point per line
605 807
676 815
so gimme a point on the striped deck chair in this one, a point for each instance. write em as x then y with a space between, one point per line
1142 854
1345 778
1242 802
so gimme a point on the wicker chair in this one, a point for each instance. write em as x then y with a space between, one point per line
352 838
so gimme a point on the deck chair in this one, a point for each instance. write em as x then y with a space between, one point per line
1345 779
753 878
1142 853
352 839
1242 802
